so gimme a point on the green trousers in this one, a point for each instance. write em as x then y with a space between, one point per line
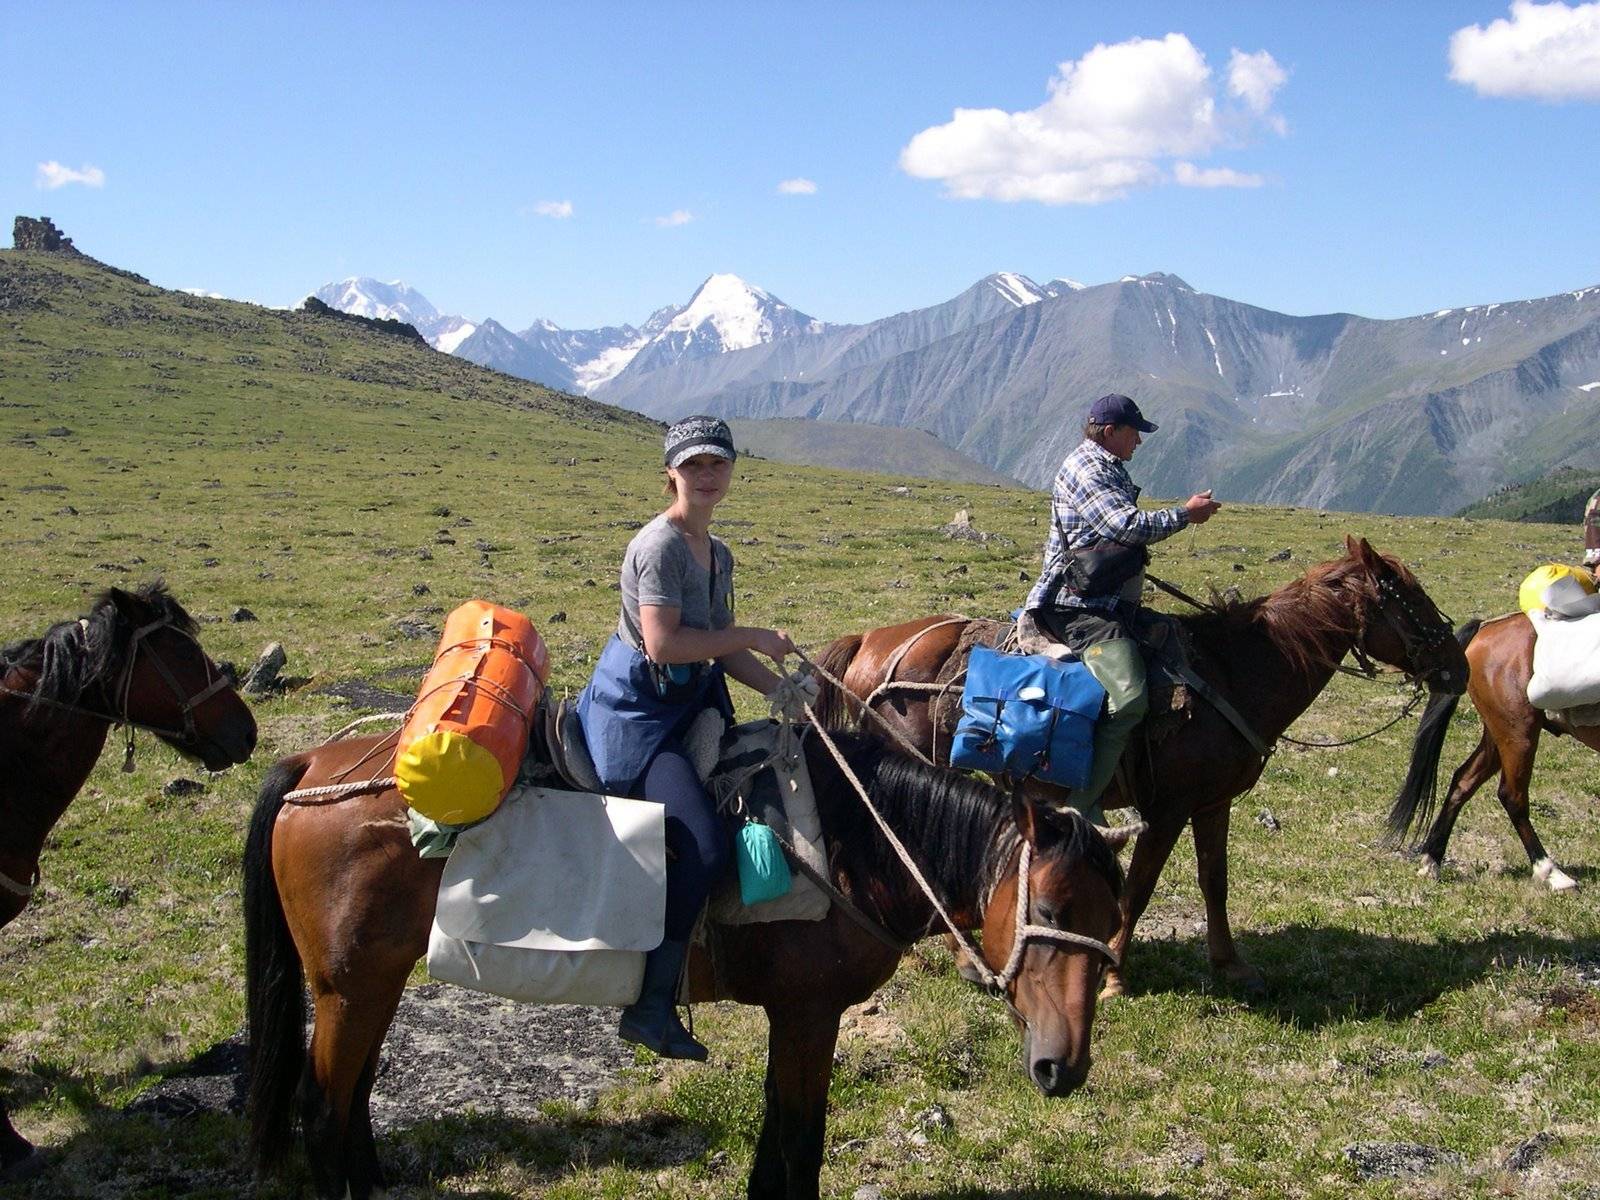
1104 642
1119 666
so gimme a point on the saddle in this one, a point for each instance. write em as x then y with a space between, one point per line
1164 641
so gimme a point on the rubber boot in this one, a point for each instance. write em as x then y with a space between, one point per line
1119 666
652 1021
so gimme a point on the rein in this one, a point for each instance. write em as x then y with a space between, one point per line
1433 636
995 983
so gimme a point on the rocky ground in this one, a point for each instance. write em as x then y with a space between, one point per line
449 1050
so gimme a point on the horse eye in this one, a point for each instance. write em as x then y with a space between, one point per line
1048 915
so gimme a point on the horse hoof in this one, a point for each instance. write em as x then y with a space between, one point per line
1429 868
1243 978
1112 988
1553 877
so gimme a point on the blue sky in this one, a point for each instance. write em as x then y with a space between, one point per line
260 151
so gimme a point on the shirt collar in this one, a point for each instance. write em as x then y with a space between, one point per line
1096 451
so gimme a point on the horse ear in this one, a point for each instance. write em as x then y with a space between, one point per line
1352 548
125 603
1026 816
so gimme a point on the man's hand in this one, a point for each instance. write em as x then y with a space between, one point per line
1200 506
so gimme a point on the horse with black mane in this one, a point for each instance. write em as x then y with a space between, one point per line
1267 659
1500 652
133 661
336 897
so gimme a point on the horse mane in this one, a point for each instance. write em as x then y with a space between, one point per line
1309 619
962 830
72 656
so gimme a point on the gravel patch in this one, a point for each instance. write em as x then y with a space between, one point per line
449 1050
1398 1160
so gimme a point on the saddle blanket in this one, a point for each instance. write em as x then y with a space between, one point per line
1566 662
553 899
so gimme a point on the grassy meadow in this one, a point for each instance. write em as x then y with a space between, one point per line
349 490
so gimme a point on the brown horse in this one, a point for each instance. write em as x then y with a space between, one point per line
132 661
335 896
1269 657
1500 652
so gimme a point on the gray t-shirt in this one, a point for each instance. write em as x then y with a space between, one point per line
659 568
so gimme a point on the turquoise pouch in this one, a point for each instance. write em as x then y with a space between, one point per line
763 871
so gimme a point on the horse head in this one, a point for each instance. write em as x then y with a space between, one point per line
152 674
1050 961
1402 626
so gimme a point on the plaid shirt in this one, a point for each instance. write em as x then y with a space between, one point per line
1094 498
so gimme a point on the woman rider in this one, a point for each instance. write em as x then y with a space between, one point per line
665 664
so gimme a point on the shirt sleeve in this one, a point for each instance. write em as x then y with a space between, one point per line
660 572
1101 500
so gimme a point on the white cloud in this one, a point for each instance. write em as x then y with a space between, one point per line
559 209
52 175
1255 79
797 187
681 216
1544 51
1112 119
203 293
1186 174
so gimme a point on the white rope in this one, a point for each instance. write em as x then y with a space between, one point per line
340 790
360 721
894 733
997 984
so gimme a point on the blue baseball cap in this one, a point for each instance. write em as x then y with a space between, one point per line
1119 410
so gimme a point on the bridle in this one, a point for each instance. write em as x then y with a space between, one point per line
997 984
1420 633
121 693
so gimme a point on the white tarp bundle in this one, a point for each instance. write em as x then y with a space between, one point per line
1566 661
554 899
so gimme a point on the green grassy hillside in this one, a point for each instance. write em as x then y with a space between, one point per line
350 488
886 449
1557 500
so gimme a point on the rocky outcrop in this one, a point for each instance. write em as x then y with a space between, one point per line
386 325
41 234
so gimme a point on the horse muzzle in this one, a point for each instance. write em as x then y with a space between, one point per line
1054 1076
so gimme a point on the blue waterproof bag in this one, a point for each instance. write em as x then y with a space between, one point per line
763 871
1029 715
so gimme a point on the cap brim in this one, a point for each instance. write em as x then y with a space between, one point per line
684 453
1146 426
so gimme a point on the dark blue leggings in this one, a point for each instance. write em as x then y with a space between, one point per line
698 845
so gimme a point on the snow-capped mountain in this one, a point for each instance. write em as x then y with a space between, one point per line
724 314
396 300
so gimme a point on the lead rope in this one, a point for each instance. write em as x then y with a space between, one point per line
997 984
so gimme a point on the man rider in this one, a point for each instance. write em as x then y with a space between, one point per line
1086 601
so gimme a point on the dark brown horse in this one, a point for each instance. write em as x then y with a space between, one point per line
1269 657
335 896
132 661
1501 654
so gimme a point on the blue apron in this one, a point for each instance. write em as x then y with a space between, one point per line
631 707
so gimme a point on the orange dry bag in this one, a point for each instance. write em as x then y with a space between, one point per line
463 741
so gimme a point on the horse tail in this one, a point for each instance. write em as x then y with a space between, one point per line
834 707
274 981
1414 802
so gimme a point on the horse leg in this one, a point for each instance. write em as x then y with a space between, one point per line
800 1047
1472 774
1150 854
362 1166
1516 774
1210 829
345 1040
